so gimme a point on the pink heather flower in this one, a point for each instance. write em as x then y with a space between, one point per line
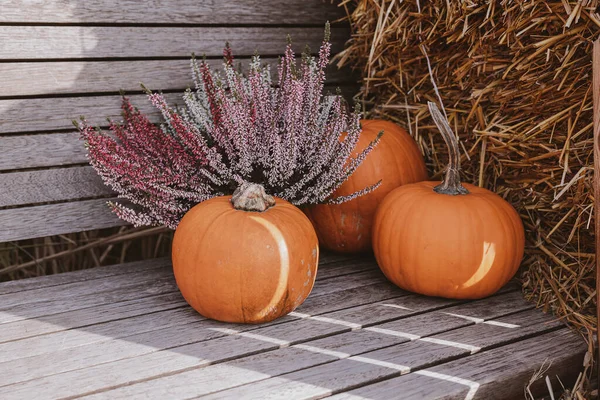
233 128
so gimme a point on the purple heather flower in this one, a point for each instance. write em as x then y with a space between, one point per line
232 128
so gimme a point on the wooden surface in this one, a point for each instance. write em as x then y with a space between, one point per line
54 219
62 59
115 42
124 332
596 93
60 77
168 12
47 185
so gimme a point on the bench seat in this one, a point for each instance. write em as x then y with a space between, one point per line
125 332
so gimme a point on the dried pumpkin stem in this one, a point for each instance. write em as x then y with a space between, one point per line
451 184
252 197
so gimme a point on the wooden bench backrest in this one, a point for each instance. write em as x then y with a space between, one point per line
68 58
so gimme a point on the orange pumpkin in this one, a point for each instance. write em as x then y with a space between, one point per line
234 263
396 161
447 239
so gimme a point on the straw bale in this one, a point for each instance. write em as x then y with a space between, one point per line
515 79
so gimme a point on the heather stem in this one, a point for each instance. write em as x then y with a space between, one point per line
451 184
251 197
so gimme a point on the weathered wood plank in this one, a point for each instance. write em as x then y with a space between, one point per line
30 79
55 219
496 374
44 114
348 282
332 265
73 42
415 304
8 302
44 150
82 349
150 287
170 12
221 376
87 275
28 328
350 298
30 187
57 113
55 337
130 370
87 318
286 332
385 363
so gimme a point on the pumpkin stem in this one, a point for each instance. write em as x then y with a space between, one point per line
451 184
251 197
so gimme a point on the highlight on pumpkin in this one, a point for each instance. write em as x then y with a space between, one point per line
232 128
487 261
284 266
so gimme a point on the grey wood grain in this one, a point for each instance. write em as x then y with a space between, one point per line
393 308
352 297
501 373
86 318
429 323
351 281
183 326
96 315
44 114
380 364
171 12
286 331
417 354
87 275
99 314
330 265
73 77
55 219
130 370
344 267
35 310
213 378
72 42
61 184
44 150
76 289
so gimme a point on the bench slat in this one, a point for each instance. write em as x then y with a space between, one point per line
87 275
55 219
43 150
76 77
44 114
170 12
51 185
73 42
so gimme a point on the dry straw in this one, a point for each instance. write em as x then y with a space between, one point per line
515 79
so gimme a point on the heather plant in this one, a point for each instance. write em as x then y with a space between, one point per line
233 128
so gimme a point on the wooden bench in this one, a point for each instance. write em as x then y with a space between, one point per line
124 331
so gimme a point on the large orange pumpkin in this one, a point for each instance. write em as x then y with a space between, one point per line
249 258
447 239
396 161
